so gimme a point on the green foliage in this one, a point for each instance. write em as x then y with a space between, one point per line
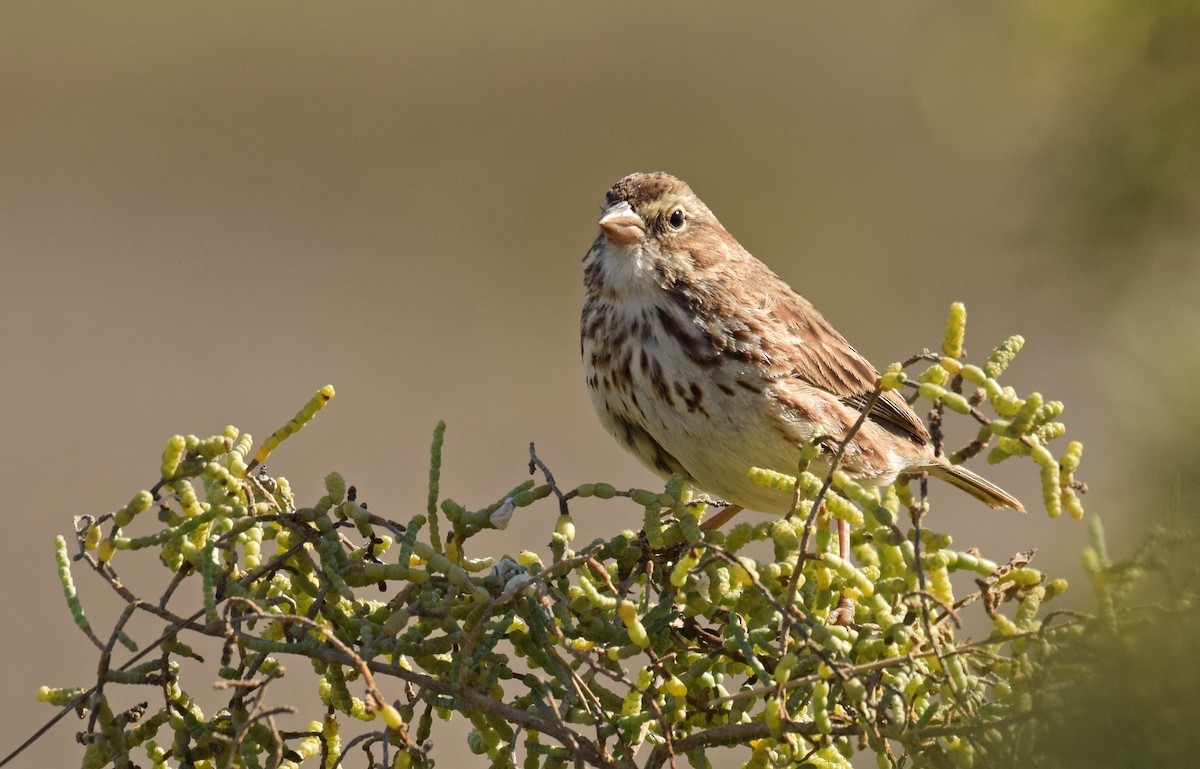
1122 693
637 649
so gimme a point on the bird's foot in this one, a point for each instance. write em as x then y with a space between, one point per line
843 614
721 518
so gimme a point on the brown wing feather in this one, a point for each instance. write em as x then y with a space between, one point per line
831 363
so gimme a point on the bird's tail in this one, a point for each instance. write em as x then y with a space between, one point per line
975 485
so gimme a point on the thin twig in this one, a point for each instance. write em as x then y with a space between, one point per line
536 463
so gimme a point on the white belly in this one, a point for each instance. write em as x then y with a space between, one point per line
716 436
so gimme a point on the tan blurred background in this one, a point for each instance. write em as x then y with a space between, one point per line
207 211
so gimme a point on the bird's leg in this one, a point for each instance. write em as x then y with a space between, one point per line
721 518
844 613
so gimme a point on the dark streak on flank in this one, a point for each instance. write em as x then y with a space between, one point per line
659 383
749 386
693 399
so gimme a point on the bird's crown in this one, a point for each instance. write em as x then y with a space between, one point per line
642 188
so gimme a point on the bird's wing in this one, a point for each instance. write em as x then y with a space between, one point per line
824 359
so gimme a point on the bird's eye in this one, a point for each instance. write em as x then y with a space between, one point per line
676 219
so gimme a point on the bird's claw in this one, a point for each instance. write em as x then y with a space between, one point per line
844 613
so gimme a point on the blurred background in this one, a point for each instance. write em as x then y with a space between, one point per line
209 211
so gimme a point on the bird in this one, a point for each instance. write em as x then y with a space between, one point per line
703 363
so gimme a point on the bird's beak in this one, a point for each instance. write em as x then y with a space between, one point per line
621 224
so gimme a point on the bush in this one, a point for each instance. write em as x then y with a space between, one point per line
638 649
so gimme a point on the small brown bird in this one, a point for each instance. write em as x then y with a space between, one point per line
703 362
